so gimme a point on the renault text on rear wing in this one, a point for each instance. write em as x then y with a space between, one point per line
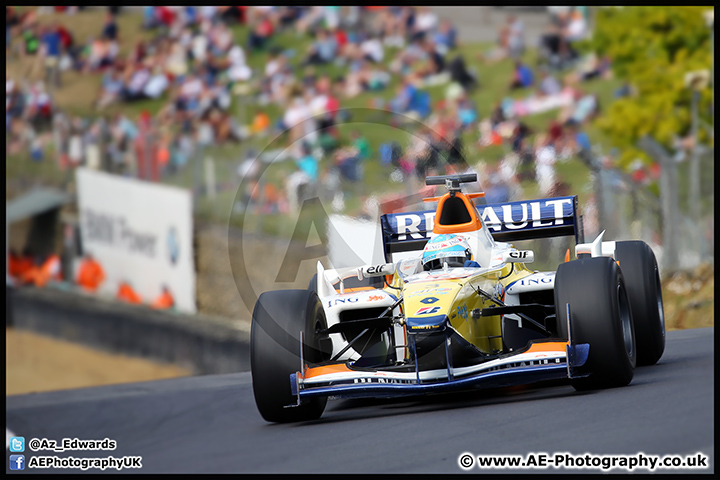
506 222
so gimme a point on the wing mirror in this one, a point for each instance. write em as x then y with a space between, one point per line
376 270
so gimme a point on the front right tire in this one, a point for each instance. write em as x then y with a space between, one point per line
600 316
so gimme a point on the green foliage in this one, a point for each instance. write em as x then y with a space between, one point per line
652 48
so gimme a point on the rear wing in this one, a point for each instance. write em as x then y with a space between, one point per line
506 222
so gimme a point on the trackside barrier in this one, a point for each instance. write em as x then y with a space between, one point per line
202 344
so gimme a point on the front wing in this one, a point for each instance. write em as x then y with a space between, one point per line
540 362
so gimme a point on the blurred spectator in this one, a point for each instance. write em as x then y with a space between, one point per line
260 123
303 181
51 43
455 155
323 50
150 20
111 89
165 300
467 112
361 144
44 271
110 29
75 146
576 28
102 54
549 85
238 70
520 133
591 66
90 273
126 293
390 153
260 34
308 164
20 264
460 74
497 190
15 103
156 84
12 20
134 89
516 37
545 158
584 108
425 22
297 114
446 37
555 133
38 109
523 76
373 49
410 99
31 40
580 138
347 162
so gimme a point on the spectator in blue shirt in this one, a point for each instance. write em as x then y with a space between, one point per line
51 43
410 99
523 76
308 163
150 20
323 50
110 30
445 37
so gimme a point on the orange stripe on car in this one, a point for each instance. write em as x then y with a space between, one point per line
325 369
356 289
546 347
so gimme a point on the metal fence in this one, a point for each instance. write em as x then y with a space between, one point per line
679 228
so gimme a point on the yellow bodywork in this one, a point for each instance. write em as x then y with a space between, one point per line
457 297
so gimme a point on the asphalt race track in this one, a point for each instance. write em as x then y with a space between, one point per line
210 424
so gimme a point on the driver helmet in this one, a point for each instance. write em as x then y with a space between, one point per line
451 249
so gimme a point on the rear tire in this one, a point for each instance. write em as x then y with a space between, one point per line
600 315
278 318
640 269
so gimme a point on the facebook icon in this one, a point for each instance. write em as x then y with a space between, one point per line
17 462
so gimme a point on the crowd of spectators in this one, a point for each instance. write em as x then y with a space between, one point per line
194 63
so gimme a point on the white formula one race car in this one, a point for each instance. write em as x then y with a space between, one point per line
456 308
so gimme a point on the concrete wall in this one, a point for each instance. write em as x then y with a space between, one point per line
203 344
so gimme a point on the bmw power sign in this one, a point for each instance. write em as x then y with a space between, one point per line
140 232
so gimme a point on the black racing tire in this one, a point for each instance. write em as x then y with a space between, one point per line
642 280
278 318
600 316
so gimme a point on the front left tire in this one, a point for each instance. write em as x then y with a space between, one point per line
278 318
